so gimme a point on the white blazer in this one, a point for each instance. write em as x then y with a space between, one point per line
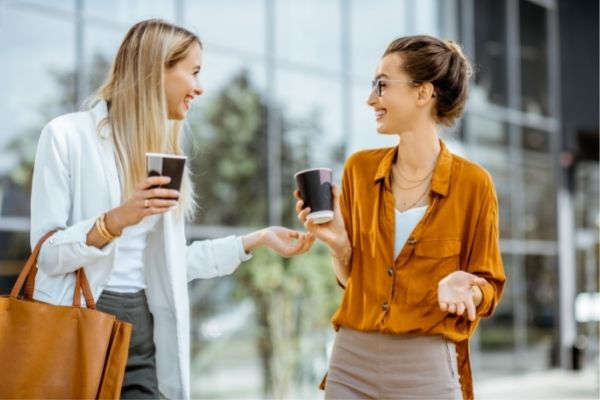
74 181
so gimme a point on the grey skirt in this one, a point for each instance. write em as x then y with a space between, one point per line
385 366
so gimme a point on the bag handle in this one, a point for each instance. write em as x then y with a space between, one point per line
29 272
83 286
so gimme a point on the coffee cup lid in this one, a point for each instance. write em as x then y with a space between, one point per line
311 169
165 155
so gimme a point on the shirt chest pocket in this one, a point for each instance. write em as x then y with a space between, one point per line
432 260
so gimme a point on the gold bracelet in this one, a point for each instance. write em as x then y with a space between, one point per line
104 232
106 227
100 231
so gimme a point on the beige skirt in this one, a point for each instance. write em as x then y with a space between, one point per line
384 366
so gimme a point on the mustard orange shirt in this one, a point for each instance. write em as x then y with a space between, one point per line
459 231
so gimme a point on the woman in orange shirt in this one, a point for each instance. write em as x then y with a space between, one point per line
414 238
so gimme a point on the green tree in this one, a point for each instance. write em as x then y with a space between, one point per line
292 297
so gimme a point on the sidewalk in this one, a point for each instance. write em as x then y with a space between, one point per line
549 384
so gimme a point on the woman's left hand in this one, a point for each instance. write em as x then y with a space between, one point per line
454 293
285 242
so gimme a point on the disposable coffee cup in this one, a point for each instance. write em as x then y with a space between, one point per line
314 186
171 165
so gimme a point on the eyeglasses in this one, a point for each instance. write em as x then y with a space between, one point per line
377 85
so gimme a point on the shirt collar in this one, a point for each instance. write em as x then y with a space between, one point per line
99 110
440 180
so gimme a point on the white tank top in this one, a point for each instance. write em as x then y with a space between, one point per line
128 273
405 223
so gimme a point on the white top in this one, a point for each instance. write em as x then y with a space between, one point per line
405 223
127 275
75 180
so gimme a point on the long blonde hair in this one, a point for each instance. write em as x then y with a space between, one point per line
138 114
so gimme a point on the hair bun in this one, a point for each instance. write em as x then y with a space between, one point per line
457 50
441 62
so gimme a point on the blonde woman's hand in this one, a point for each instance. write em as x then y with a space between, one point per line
145 200
332 233
454 293
287 242
284 241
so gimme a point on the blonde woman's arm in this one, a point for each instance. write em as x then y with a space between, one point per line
217 257
66 250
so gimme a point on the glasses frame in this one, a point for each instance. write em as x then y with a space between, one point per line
376 85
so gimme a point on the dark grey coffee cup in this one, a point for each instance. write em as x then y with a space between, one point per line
158 164
314 186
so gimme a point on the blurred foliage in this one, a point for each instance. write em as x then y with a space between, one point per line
292 297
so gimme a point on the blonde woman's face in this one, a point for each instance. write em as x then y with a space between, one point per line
181 83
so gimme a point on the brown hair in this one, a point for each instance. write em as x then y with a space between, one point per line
428 59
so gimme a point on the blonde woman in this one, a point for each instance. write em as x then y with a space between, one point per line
90 184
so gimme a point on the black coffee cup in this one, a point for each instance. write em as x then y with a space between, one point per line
315 190
171 165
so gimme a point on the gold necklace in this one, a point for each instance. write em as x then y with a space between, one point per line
395 182
414 181
416 201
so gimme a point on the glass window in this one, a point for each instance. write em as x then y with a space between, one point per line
541 294
391 18
496 161
14 250
534 58
101 46
131 11
313 103
490 51
308 32
535 140
486 132
539 186
488 146
587 178
228 26
48 7
496 333
32 93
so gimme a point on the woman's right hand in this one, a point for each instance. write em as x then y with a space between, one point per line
144 201
332 233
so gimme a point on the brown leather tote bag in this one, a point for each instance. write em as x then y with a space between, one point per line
49 351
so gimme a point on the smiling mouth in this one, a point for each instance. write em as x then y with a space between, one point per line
187 103
379 114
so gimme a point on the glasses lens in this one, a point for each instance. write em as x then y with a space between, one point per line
376 86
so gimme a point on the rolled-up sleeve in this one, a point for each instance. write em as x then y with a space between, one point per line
211 258
485 258
66 250
345 209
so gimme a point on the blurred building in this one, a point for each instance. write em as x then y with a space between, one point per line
532 120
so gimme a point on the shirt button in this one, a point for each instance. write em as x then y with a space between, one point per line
391 271
411 241
385 306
